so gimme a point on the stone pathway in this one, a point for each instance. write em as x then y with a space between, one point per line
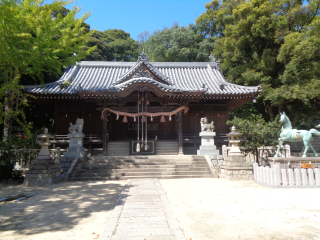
143 212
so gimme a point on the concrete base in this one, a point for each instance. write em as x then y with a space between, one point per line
75 149
207 144
236 168
42 172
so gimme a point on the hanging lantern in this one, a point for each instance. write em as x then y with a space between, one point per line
138 147
162 119
117 116
134 118
151 118
147 102
170 117
143 119
125 120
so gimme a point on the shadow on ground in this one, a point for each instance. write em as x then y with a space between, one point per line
60 207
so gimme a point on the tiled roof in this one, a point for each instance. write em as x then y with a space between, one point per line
114 77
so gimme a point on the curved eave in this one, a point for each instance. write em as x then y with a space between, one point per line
147 65
141 84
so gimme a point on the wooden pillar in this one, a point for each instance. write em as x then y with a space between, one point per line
180 134
104 134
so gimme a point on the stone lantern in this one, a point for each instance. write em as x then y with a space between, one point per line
43 170
44 143
234 141
235 166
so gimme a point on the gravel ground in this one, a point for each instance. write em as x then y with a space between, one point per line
220 209
205 208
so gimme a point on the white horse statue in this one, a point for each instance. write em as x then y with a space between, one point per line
293 135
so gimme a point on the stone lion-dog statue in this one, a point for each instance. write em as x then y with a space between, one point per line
205 126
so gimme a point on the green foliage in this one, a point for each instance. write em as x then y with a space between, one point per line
256 132
67 84
212 23
113 45
35 38
250 110
274 44
178 44
10 152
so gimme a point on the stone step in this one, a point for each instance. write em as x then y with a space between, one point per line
94 167
120 174
142 176
139 160
118 170
124 167
118 149
150 158
184 163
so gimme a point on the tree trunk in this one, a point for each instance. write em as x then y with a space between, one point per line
8 110
257 154
270 110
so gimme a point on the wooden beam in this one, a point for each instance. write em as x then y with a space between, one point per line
104 134
180 134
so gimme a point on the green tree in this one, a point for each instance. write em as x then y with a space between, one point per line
256 132
113 45
103 50
212 23
142 37
35 38
274 44
179 44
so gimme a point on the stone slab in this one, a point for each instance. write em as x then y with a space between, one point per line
149 238
143 212
144 231
207 152
207 134
142 219
126 225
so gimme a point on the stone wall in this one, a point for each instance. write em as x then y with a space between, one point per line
236 174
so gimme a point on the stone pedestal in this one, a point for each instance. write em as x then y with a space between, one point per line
75 148
236 168
43 170
207 144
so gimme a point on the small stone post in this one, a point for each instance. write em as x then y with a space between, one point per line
290 175
304 177
297 176
311 177
277 175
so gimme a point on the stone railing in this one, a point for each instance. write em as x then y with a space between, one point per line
276 177
264 152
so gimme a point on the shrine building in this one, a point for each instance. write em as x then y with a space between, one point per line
162 101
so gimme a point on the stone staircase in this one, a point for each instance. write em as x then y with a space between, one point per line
118 148
125 167
167 148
